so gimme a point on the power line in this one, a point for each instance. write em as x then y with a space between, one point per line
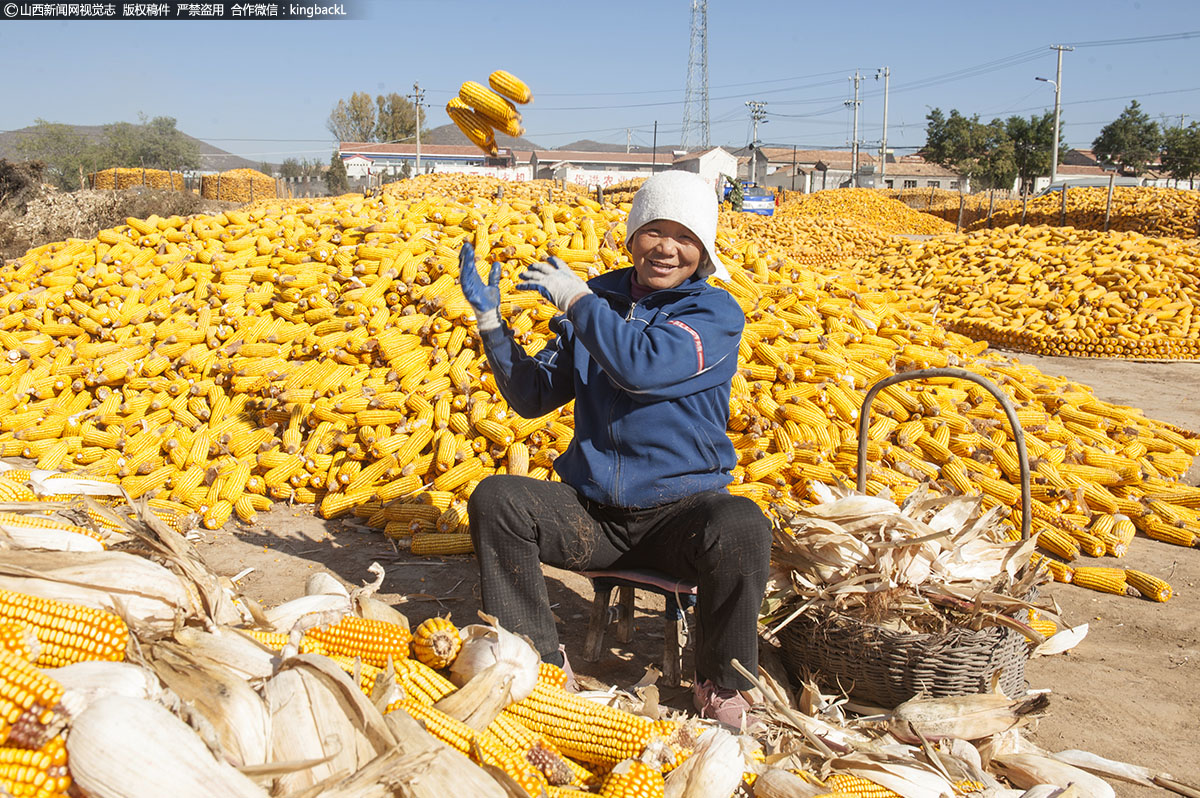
1162 37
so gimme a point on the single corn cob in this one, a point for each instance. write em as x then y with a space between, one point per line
482 747
552 675
436 642
510 86
845 785
374 641
632 779
441 543
277 640
474 125
67 632
498 111
1149 586
581 729
1060 571
1106 580
40 773
540 752
421 682
30 703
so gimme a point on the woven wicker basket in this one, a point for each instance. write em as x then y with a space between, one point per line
886 667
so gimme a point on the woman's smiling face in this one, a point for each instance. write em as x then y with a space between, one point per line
665 253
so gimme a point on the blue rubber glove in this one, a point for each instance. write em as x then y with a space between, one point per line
555 281
484 299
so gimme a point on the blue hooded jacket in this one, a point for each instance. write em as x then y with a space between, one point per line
651 383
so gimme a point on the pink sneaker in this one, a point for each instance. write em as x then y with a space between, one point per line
721 704
572 685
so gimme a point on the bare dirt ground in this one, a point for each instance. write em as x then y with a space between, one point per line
1129 691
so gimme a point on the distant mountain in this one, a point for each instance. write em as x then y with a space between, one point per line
450 135
212 159
587 145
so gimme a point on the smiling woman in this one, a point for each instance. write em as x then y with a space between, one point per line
648 355
664 253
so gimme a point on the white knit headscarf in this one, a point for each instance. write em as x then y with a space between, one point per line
682 197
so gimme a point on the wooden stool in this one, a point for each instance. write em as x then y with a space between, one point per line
680 595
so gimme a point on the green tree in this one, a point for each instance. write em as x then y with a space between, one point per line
1032 141
353 120
1181 152
65 151
1129 142
956 142
335 179
290 168
153 143
396 118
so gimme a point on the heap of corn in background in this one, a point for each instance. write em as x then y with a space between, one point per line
110 179
1148 210
321 352
237 185
862 207
944 203
1053 290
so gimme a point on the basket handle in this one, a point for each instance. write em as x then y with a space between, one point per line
962 374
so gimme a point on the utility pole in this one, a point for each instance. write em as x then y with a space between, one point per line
1057 109
886 72
418 97
628 136
654 146
854 143
758 114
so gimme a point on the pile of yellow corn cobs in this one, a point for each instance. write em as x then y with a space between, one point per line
1053 290
237 185
132 178
803 242
944 204
1147 210
623 191
322 352
862 206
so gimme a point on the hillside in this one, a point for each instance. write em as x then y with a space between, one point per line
212 159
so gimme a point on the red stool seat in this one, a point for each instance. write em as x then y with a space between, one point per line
680 594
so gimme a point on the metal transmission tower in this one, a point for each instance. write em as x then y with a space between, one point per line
695 100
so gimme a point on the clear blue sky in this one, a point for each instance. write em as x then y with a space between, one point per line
264 90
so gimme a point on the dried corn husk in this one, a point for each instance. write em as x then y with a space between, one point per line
59 483
905 775
84 683
488 644
122 747
714 770
147 596
229 648
1111 768
313 718
233 710
1061 641
18 536
779 783
1028 770
329 608
482 698
968 717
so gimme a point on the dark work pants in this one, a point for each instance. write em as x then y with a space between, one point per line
720 541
